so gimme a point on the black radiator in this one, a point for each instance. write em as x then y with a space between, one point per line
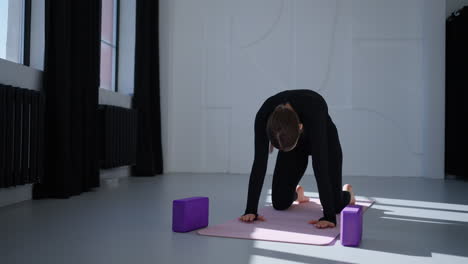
21 136
117 134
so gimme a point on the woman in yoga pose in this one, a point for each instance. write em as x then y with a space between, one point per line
296 122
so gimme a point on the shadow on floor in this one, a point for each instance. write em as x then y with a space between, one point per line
387 231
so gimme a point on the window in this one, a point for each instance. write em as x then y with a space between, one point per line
12 30
109 44
34 39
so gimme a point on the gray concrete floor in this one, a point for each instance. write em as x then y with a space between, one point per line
414 221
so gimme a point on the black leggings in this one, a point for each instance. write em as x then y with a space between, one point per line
290 167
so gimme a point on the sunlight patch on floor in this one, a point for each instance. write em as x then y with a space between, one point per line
410 208
424 212
257 259
353 255
417 220
423 204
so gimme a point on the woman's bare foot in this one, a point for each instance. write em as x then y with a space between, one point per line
349 188
301 198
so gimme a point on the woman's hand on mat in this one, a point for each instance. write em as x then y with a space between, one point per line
251 217
322 224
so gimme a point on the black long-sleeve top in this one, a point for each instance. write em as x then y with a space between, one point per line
313 114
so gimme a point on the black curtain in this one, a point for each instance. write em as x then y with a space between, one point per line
71 83
456 94
149 160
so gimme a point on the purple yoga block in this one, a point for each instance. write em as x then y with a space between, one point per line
351 225
189 214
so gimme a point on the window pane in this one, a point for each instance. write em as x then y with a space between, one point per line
106 66
108 21
37 34
11 30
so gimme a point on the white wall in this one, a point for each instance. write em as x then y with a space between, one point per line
368 58
433 47
112 98
166 23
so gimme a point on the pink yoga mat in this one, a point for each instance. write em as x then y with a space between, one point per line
290 225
